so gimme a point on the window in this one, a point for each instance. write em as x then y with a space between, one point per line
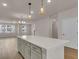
24 29
7 28
10 28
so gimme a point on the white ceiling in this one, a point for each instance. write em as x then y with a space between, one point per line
19 8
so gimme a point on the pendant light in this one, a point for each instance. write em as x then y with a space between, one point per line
49 1
42 8
29 15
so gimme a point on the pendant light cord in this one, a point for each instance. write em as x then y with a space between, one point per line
29 8
41 3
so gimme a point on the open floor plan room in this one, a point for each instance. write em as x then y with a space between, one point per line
38 29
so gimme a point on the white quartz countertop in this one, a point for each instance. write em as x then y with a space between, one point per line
44 42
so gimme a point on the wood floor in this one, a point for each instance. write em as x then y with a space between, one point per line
70 53
8 50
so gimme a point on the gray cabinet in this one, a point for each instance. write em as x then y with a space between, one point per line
27 53
24 48
21 46
36 52
30 51
35 55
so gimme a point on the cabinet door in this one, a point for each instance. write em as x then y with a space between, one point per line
22 49
35 55
27 52
21 46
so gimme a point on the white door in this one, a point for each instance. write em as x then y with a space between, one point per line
27 52
35 55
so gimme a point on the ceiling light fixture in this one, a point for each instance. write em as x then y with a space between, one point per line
4 4
32 12
29 16
42 8
23 22
19 22
49 1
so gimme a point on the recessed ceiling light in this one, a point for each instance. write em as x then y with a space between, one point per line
4 4
49 1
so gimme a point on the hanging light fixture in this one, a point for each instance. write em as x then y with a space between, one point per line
42 8
29 16
49 1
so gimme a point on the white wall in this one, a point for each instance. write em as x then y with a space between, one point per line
44 26
68 27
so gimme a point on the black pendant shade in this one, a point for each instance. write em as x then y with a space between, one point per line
29 3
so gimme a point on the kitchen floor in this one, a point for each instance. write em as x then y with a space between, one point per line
8 50
70 53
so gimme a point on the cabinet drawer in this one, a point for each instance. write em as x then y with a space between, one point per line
36 48
27 43
35 55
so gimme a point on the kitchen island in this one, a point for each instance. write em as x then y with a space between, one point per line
36 47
